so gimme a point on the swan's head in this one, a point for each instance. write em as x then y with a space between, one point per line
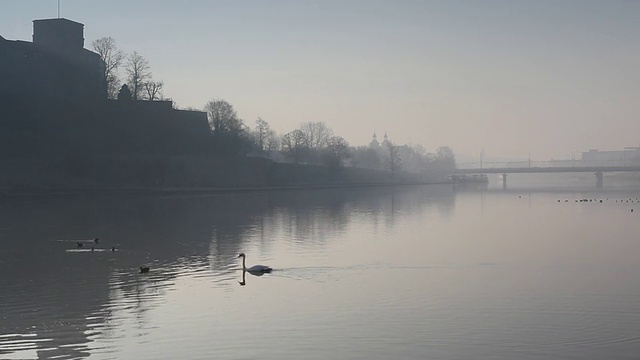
241 255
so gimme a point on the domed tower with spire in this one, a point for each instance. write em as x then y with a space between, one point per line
374 144
385 143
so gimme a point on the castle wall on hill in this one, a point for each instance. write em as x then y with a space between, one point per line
55 64
49 126
53 101
154 127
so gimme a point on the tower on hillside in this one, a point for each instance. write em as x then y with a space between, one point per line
60 35
385 142
374 144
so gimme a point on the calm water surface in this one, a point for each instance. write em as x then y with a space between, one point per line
380 273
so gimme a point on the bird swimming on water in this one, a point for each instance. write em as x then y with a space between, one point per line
255 269
144 269
80 244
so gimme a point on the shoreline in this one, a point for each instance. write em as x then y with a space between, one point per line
9 193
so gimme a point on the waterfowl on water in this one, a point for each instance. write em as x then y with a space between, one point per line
144 269
257 269
92 241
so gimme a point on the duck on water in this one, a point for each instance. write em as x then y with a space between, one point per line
255 269
81 244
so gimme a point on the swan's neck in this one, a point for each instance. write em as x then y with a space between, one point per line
244 267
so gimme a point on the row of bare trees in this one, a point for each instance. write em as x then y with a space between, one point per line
311 143
315 143
138 72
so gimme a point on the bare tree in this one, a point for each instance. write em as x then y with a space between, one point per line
317 134
139 73
112 58
445 153
336 153
223 117
295 143
272 141
153 90
265 139
445 158
366 157
262 131
393 160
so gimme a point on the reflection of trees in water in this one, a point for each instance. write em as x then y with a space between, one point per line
60 295
232 220
75 298
311 217
49 295
413 200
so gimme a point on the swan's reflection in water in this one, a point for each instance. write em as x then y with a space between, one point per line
244 276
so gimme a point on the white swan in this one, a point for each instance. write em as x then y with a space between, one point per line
256 269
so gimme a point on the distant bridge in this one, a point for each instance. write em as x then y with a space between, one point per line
545 170
597 170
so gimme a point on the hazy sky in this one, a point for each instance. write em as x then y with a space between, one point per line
549 77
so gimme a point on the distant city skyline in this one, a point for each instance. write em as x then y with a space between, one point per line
546 78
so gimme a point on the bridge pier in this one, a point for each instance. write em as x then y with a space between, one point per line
504 181
599 179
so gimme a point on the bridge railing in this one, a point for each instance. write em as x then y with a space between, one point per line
547 163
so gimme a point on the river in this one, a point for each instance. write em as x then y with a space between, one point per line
415 272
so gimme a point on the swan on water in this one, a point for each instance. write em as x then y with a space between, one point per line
254 268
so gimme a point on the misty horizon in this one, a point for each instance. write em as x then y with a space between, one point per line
547 79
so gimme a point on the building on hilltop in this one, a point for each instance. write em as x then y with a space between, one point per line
55 64
385 143
383 148
374 144
53 101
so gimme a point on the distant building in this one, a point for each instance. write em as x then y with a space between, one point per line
385 143
55 64
383 148
374 144
621 156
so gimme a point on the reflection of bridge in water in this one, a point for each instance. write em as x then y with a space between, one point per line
597 170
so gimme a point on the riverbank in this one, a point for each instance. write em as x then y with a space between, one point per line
8 193
183 175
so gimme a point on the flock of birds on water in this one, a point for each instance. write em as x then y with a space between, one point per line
621 201
255 269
